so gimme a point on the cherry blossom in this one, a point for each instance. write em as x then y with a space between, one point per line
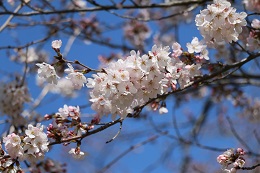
233 157
35 143
13 145
56 44
220 22
253 40
31 55
76 153
252 5
195 46
47 72
13 97
176 50
69 111
157 72
163 110
136 32
126 84
79 3
256 24
11 2
77 78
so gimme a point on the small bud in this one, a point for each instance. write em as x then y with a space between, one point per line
47 117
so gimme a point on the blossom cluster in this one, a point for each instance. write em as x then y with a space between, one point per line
136 32
31 55
66 125
233 157
252 5
220 22
12 98
47 72
59 129
77 78
31 147
138 78
251 110
46 166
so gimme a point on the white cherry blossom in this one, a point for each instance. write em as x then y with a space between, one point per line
76 153
56 44
163 110
47 72
220 22
256 24
13 145
195 46
119 90
77 78
176 50
69 111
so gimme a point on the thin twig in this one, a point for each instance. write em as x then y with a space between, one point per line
154 19
26 67
236 135
11 17
43 93
120 128
127 151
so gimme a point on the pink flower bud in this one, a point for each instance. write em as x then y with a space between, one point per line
240 151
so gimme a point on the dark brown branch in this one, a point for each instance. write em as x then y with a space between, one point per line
108 7
250 168
107 125
160 18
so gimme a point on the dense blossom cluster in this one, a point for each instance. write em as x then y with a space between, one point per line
220 22
31 147
133 81
233 157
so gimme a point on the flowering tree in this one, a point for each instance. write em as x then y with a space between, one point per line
206 87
